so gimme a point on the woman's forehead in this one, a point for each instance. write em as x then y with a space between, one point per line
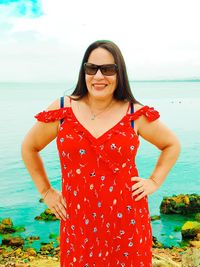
100 56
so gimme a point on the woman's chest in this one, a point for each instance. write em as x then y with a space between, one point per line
77 143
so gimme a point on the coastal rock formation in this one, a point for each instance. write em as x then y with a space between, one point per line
155 217
190 230
47 215
47 249
181 204
7 227
13 241
156 243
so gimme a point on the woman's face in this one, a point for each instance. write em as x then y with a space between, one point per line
99 85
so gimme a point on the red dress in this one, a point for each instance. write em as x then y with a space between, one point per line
105 227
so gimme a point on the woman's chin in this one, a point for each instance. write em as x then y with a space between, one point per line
100 94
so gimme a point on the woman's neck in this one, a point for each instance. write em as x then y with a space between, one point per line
96 104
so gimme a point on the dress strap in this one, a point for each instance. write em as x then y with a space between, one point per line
132 111
62 106
62 102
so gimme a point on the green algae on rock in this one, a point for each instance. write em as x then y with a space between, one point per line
16 241
47 215
190 229
7 227
155 217
181 204
47 249
30 239
197 217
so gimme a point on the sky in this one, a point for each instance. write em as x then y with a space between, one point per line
44 40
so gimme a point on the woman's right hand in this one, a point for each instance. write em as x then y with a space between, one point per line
56 203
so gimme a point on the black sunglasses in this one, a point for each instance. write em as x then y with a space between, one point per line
107 69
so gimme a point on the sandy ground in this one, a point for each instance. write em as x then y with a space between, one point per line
161 258
45 263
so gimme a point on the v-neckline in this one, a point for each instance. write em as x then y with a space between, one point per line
97 139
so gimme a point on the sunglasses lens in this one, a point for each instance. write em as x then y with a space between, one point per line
108 70
90 69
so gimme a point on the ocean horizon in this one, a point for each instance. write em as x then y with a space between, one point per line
179 105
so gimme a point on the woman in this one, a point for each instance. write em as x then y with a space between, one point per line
103 206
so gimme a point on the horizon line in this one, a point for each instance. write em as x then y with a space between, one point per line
131 80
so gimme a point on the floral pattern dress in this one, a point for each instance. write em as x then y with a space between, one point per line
105 227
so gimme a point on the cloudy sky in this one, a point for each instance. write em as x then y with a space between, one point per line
44 40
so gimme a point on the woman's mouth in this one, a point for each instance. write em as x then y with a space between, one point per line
99 86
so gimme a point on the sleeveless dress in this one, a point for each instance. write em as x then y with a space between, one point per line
105 226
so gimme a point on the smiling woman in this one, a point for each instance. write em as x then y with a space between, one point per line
20 8
103 206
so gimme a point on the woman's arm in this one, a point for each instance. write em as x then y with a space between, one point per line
39 136
165 140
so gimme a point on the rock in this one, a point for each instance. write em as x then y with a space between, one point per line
191 257
13 241
31 252
156 243
31 258
19 229
57 249
163 261
195 244
22 265
47 249
190 230
32 238
155 217
7 221
6 227
18 251
197 217
181 204
177 228
51 236
25 255
55 258
198 237
47 215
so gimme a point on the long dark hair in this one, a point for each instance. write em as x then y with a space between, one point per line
123 90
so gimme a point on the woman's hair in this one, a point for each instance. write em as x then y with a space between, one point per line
123 90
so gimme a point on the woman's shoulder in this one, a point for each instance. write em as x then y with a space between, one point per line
56 104
150 113
137 106
54 111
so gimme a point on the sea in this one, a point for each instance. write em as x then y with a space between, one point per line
179 105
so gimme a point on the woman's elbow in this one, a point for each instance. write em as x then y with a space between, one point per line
27 148
175 146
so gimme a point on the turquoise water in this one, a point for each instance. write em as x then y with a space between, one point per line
179 106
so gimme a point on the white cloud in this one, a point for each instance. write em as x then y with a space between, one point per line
157 38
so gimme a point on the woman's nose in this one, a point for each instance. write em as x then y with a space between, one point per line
99 74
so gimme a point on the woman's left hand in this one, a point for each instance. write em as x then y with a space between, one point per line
143 187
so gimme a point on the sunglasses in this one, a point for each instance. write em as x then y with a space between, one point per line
107 69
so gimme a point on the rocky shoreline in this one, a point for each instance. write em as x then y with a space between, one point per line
162 257
15 253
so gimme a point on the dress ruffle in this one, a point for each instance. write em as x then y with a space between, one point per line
96 143
52 115
149 112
